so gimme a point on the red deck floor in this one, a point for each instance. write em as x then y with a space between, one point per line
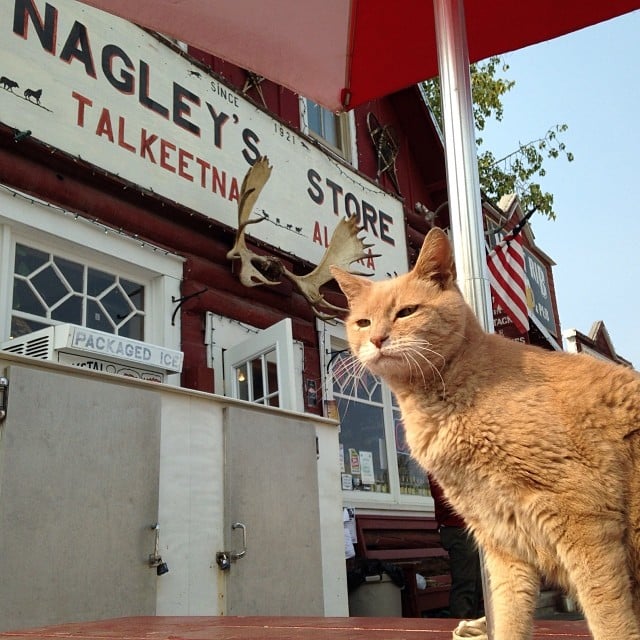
270 628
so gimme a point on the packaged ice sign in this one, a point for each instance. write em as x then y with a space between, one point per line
98 351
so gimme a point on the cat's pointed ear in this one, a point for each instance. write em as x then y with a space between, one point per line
435 261
351 284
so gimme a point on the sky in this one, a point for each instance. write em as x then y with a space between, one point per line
590 81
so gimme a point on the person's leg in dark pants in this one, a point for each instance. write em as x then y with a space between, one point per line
466 581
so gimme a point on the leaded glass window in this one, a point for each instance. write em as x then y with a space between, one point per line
50 289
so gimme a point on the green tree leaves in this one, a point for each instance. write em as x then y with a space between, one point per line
520 171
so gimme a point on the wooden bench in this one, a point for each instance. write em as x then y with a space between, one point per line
412 543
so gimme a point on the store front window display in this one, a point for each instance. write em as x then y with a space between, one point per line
374 456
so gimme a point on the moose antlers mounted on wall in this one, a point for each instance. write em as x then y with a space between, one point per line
345 247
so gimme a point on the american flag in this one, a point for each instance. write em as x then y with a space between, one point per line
507 279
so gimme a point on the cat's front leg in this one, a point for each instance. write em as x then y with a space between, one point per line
514 588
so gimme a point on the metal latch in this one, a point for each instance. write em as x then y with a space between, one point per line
225 558
4 397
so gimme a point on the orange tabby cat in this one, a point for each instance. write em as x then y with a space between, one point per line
537 450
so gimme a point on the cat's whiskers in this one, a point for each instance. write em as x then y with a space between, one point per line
411 360
418 344
427 345
421 349
435 371
352 369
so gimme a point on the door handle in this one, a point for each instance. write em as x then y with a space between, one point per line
236 555
225 558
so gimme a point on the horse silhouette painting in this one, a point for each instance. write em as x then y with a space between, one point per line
33 93
8 83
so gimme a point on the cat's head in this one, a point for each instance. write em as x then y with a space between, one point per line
407 328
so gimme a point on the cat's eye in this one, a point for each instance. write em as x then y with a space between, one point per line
407 311
363 323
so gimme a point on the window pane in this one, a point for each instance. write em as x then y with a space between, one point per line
25 300
21 327
362 385
53 288
242 380
413 480
349 380
28 259
271 360
331 128
69 311
343 368
257 380
72 271
135 293
133 328
98 281
324 124
116 305
273 392
48 284
369 387
97 318
363 439
314 117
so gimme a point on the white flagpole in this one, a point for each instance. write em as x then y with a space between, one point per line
465 207
463 182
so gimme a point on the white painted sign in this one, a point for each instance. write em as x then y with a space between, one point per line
104 90
83 340
93 349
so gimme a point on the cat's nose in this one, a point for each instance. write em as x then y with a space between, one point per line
377 340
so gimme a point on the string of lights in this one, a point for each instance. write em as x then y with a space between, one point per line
73 215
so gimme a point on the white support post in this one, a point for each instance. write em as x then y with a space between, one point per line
463 182
465 206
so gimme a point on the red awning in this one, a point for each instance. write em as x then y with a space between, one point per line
347 52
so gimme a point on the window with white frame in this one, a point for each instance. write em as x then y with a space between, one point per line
62 268
335 130
261 366
50 288
375 459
